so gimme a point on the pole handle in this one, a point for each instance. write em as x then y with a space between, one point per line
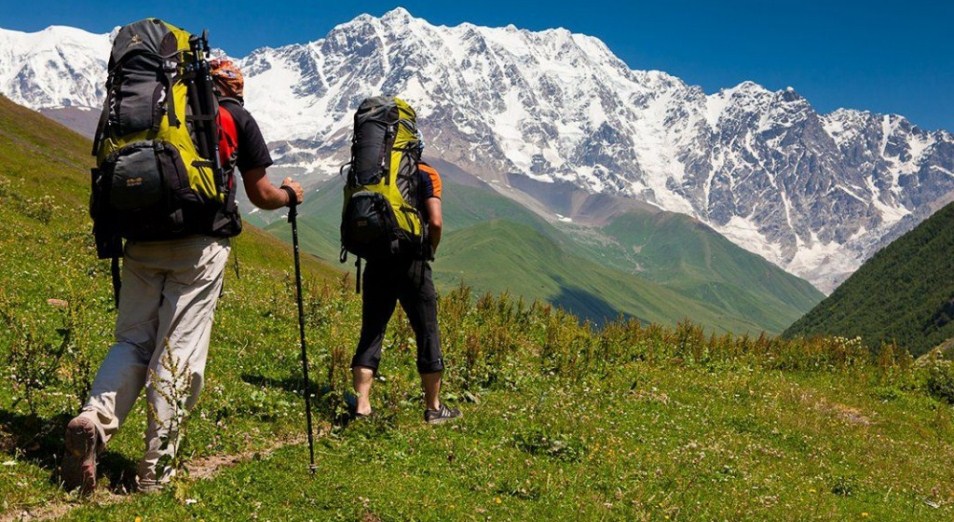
292 203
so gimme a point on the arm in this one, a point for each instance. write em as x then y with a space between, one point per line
263 194
253 159
435 222
431 190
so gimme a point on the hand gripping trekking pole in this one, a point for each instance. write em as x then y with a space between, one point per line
293 219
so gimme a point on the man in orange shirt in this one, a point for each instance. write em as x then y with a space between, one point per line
406 279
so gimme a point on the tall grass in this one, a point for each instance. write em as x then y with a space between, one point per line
501 343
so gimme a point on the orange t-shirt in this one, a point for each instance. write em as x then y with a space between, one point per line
430 182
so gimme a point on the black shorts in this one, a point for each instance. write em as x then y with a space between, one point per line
410 282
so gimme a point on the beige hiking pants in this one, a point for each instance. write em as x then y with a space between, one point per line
166 307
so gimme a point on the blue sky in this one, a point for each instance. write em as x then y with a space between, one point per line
883 56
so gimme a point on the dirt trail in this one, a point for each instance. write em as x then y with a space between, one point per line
199 469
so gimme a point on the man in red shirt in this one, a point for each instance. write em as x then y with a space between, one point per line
166 307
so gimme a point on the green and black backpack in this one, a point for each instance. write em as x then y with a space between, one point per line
380 218
158 171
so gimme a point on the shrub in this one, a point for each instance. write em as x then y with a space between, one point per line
940 382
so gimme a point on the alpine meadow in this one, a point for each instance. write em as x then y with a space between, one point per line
654 303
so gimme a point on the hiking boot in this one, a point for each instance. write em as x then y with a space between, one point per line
354 416
79 461
441 415
150 487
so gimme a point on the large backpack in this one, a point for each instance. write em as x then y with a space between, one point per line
158 171
380 218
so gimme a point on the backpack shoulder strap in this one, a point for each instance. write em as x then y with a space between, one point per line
229 99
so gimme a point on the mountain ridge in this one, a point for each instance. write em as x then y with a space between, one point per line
814 193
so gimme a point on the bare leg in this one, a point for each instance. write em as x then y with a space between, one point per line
432 389
362 378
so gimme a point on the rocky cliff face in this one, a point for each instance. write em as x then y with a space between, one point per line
814 193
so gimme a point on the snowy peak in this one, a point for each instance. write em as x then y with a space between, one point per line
517 78
397 15
52 38
56 67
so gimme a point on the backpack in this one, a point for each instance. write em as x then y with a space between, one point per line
159 174
380 218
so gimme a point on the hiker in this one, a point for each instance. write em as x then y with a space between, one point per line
168 298
402 273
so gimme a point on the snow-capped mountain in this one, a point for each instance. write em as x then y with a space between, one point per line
815 193
54 68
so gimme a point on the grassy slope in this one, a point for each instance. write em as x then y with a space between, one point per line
703 446
904 294
629 424
46 252
691 258
528 263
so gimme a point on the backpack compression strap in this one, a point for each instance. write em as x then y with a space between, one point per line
117 280
103 116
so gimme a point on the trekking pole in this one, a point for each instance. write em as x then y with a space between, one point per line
293 219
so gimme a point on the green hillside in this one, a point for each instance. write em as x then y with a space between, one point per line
318 220
685 268
903 294
528 263
629 422
692 259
